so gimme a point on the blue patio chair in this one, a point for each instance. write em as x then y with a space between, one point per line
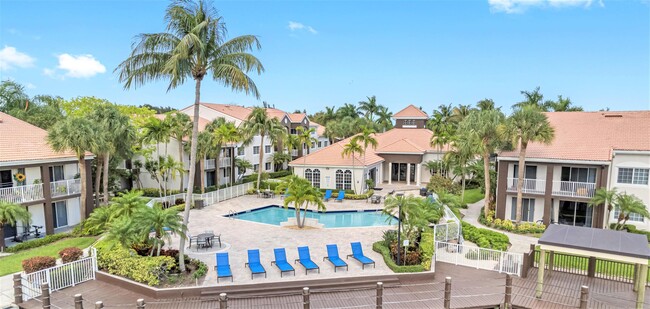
254 263
281 261
328 195
357 254
333 257
341 196
223 266
305 259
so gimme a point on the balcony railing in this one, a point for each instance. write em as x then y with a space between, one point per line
209 164
536 186
574 189
22 194
224 162
65 187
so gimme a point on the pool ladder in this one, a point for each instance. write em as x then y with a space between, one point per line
231 214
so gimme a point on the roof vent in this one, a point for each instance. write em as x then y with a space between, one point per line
613 115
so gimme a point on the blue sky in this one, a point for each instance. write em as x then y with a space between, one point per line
320 53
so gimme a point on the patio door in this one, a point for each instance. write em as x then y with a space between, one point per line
399 171
5 179
60 213
575 213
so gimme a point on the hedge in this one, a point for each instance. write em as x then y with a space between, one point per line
630 228
508 225
380 247
485 238
426 249
119 261
48 239
38 263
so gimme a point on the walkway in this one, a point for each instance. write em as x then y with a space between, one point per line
520 243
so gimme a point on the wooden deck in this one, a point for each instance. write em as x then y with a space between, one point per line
471 288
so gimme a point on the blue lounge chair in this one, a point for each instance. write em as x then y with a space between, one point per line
281 261
254 263
333 257
223 266
305 259
341 196
357 254
328 195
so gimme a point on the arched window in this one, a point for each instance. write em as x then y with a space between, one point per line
308 175
316 178
339 180
347 181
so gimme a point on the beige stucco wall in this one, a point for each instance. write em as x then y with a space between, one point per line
631 160
538 212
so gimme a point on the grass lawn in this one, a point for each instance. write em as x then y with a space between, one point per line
12 263
473 195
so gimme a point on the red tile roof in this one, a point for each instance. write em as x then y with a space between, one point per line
235 111
411 112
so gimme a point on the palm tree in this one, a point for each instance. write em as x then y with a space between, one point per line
301 194
279 158
525 125
10 214
259 123
561 105
463 151
483 128
225 134
384 118
78 135
169 168
329 114
629 204
306 139
486 104
193 46
368 108
205 144
242 165
458 113
532 98
351 149
606 198
181 126
366 139
100 218
347 110
125 205
156 131
163 223
123 232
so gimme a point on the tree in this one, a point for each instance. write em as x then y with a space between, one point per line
12 96
347 110
351 149
180 127
10 214
169 168
156 131
259 123
242 165
301 194
127 204
205 144
606 198
629 204
561 105
458 113
368 108
279 158
527 124
99 220
486 104
306 139
78 135
463 150
193 46
384 118
532 98
365 138
224 135
162 222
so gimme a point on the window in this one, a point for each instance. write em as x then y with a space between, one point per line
267 166
256 167
579 174
313 176
339 179
409 122
256 149
347 181
56 173
60 214
241 151
530 172
637 176
320 144
527 208
325 143
633 215
267 149
209 178
293 131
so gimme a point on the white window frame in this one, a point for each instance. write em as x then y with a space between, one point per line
634 217
241 151
267 149
635 177
56 215
256 150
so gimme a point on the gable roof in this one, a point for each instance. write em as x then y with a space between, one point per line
21 141
235 111
202 121
411 112
331 156
320 129
297 117
591 136
276 113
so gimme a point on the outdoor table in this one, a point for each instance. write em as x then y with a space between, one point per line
206 238
375 199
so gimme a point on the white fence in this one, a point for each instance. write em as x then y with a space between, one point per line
480 258
450 229
574 189
208 198
22 194
59 277
530 185
65 187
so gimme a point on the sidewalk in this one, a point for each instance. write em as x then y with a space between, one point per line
520 243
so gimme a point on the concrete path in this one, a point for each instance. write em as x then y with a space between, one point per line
520 243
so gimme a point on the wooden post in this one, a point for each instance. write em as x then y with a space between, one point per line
507 301
305 298
140 304
540 274
45 295
551 261
18 289
447 292
635 281
380 295
99 305
640 294
223 301
584 297
591 268
78 302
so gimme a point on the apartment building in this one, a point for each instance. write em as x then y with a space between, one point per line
591 150
45 182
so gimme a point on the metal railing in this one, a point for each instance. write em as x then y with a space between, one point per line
224 162
59 277
208 198
530 185
480 258
22 194
574 189
65 187
209 164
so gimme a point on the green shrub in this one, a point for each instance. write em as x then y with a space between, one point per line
485 238
364 196
280 174
48 239
70 254
507 225
630 228
200 270
154 192
385 252
426 249
118 261
439 183
38 263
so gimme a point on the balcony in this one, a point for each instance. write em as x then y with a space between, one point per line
534 186
209 164
65 187
574 189
22 194
224 162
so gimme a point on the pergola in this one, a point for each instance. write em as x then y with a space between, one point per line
598 243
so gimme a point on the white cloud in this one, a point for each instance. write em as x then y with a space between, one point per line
11 58
78 66
519 6
296 26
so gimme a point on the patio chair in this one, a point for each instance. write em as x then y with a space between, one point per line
333 257
357 254
281 261
328 195
305 260
341 196
223 266
254 263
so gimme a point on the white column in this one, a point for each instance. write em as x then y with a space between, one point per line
390 173
408 174
418 174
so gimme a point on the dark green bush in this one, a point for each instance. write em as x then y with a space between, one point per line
439 183
48 239
426 249
153 192
385 252
485 238
118 261
630 228
279 174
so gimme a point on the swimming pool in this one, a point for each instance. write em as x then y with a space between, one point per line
275 214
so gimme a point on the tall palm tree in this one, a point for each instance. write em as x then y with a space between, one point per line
527 124
156 131
193 46
306 139
483 128
169 168
347 110
368 108
629 204
486 104
532 98
226 134
366 138
78 135
561 105
384 118
259 123
10 214
329 114
606 198
301 194
458 113
163 223
463 150
181 127
279 158
203 148
242 165
351 149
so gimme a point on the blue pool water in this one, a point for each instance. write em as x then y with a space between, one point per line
275 214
